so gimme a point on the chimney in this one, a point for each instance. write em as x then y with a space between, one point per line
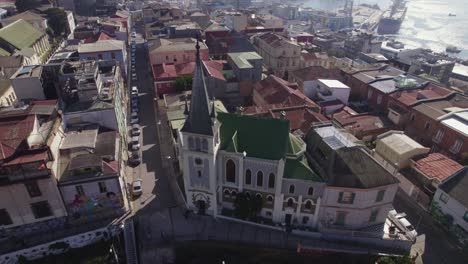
282 114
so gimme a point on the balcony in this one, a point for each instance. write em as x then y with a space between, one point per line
437 139
22 175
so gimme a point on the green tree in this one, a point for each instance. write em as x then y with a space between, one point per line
24 5
247 207
241 206
57 21
183 83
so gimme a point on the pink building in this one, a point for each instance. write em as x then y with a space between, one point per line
175 51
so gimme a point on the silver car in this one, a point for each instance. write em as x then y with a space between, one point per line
136 188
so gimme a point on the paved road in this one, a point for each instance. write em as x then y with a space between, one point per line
432 243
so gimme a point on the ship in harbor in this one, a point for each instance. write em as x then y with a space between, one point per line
392 18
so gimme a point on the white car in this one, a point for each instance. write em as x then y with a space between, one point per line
408 227
133 34
135 146
136 188
134 90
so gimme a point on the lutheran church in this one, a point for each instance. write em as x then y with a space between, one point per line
223 154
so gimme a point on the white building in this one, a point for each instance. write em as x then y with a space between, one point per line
452 199
230 157
328 91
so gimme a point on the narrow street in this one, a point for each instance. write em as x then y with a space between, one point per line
432 243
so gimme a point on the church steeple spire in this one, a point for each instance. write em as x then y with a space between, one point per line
199 119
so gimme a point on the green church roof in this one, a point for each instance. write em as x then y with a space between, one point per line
264 138
299 169
20 34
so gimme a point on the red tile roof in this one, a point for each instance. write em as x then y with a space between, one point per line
215 68
27 158
170 71
300 117
306 56
104 36
317 72
274 90
437 165
430 91
361 124
14 131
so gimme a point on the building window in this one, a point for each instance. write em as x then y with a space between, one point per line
379 99
191 144
79 190
247 195
271 181
427 125
197 144
167 58
102 187
412 117
340 218
373 216
99 56
439 135
113 55
346 197
227 194
269 199
33 189
230 171
41 209
259 178
455 148
268 213
305 220
291 188
308 205
443 198
465 217
198 162
369 93
199 173
259 197
310 191
5 218
204 146
290 202
380 196
233 194
248 177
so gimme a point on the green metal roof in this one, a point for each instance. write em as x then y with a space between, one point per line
264 138
295 145
20 34
299 169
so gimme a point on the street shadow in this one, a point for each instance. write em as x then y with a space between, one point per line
151 158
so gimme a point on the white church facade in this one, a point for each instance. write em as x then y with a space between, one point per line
223 155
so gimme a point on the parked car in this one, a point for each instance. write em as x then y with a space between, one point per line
134 90
135 146
135 131
134 34
135 106
136 188
134 76
134 120
134 159
408 227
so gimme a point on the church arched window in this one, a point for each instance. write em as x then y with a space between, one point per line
230 171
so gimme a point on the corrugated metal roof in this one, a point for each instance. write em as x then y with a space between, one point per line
20 34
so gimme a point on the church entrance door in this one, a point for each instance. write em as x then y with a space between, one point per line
201 207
